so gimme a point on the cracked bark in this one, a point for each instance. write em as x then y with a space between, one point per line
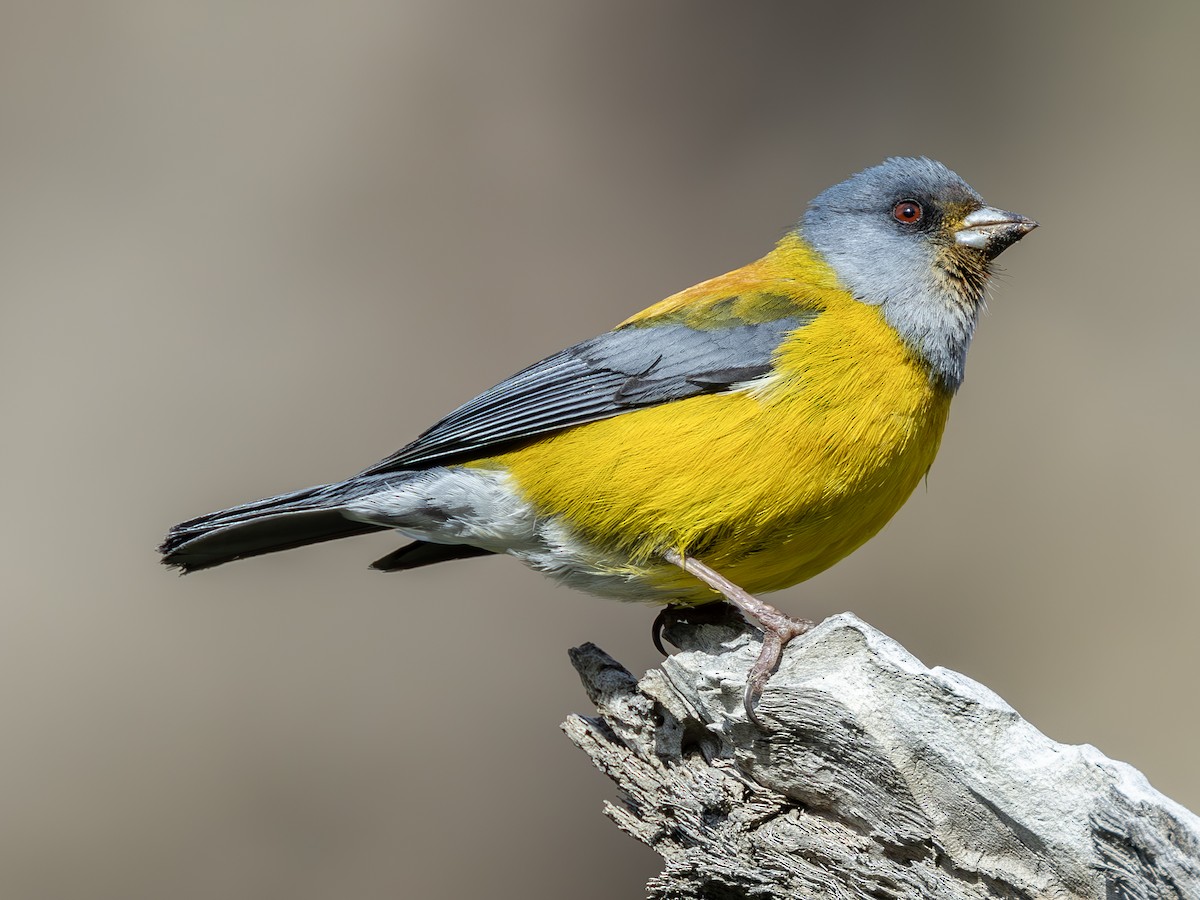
876 777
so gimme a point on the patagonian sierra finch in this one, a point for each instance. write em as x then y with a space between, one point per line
736 438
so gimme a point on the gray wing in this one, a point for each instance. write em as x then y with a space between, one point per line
608 375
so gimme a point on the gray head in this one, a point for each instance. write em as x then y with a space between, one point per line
912 237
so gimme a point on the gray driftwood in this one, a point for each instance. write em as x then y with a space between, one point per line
876 778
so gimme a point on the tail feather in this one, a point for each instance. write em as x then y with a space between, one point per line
266 526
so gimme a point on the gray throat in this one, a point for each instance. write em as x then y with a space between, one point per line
939 327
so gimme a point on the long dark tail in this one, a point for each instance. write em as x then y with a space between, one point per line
265 526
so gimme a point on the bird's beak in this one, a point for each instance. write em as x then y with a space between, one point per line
991 230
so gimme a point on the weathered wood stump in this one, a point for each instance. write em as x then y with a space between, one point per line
875 777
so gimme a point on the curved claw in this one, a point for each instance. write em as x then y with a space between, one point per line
656 628
713 611
749 699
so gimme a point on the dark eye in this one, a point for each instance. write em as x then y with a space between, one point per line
907 211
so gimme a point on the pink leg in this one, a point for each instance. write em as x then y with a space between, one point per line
778 628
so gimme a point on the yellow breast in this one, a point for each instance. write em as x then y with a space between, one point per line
768 485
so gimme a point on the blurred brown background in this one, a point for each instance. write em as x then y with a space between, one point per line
247 247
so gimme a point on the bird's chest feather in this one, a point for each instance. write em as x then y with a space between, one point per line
770 483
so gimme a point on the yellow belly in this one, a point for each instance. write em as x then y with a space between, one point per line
768 486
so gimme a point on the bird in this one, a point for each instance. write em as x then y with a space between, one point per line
734 439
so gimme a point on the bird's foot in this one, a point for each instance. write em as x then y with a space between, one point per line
713 613
778 628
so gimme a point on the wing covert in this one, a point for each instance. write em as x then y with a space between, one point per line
625 369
